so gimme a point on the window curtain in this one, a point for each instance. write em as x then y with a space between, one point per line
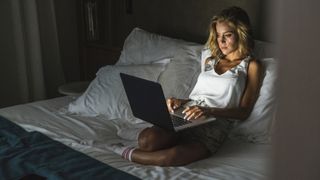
30 68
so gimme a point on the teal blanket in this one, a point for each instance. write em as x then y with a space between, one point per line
23 153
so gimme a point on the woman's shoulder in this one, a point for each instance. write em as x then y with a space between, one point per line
251 60
254 61
254 65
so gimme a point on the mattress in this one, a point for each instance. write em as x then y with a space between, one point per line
234 160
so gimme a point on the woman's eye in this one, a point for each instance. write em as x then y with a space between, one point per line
228 35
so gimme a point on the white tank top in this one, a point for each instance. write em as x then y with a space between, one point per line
219 90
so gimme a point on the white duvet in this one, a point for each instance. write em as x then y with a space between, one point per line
235 160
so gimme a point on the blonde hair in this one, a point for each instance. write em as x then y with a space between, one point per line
239 20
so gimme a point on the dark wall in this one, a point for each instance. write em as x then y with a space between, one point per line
67 29
10 91
186 19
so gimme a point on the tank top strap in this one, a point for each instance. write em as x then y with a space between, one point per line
245 62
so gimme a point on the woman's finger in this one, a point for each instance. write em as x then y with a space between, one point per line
194 113
186 110
191 112
199 115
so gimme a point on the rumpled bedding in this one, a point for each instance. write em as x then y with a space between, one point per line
92 135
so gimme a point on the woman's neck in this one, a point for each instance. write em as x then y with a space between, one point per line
234 56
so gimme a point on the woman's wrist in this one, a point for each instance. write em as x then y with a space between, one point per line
211 111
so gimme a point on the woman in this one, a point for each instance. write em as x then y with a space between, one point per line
227 88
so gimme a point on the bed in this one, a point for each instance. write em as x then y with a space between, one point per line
82 127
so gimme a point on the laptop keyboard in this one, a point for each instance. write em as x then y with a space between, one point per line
177 121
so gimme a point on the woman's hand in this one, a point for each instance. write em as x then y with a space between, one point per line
174 104
195 112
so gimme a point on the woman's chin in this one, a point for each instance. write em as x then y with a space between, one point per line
225 53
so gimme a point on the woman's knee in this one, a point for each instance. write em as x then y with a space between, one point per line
147 139
151 139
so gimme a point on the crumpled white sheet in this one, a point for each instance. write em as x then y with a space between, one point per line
235 160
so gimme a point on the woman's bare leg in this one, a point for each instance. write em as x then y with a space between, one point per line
177 155
160 147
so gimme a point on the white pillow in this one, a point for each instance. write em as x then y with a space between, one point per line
181 73
142 47
106 96
257 127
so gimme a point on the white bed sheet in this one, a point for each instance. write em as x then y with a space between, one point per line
235 160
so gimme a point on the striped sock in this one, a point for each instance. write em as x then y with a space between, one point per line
122 150
127 153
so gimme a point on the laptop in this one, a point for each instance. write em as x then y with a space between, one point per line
147 102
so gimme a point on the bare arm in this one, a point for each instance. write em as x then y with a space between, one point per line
247 101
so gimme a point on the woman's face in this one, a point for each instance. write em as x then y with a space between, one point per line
226 38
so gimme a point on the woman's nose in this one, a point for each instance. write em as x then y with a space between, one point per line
222 40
